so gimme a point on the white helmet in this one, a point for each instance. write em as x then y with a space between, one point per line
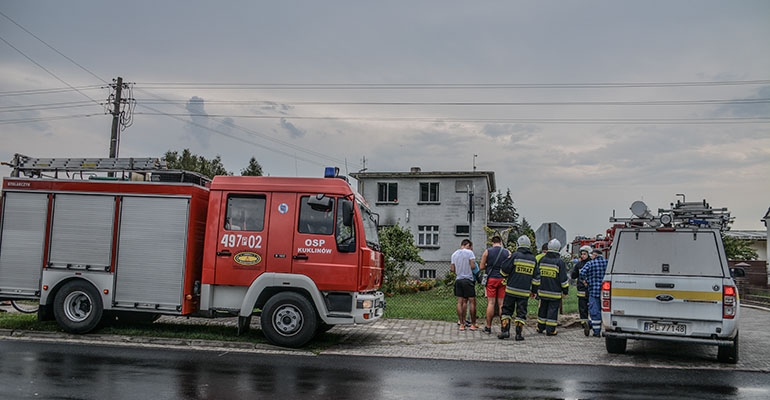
524 241
554 245
587 249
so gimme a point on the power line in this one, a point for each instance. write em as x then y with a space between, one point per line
48 91
42 107
475 104
662 121
52 48
46 70
413 86
243 129
43 119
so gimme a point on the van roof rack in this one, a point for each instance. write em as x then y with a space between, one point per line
680 215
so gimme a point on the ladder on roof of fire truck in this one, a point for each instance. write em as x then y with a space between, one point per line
31 167
681 214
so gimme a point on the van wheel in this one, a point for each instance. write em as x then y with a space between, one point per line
729 354
78 307
289 320
615 345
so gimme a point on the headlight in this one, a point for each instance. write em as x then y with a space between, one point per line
365 303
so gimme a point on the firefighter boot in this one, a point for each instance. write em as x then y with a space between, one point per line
518 337
505 329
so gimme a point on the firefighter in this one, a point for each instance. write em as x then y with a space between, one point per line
551 281
517 270
582 289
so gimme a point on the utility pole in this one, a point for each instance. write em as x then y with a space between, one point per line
116 119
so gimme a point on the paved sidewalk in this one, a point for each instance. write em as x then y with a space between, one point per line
442 340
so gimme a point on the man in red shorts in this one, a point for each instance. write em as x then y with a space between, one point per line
491 261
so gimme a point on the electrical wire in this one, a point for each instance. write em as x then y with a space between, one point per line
415 86
632 121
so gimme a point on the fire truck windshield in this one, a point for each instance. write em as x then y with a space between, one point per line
370 226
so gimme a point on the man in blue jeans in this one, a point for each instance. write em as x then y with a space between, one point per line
593 273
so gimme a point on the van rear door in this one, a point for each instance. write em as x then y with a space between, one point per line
681 279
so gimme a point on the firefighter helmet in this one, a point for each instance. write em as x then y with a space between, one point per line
554 245
587 249
524 241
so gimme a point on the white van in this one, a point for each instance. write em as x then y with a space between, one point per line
670 282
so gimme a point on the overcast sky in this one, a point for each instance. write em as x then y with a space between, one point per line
579 107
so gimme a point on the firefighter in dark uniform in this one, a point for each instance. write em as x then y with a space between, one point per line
552 283
582 289
517 270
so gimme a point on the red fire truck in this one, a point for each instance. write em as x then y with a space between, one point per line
300 253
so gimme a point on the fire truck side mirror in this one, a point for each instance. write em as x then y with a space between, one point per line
347 212
320 202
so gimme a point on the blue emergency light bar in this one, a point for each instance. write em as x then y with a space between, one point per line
331 172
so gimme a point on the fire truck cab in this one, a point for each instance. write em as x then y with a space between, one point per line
301 253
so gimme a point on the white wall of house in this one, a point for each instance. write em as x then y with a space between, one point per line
422 216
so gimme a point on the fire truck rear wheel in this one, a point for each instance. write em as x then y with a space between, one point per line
289 320
78 307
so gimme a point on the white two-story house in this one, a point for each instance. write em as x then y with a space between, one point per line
440 208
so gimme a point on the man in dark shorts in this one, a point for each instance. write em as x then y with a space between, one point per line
465 286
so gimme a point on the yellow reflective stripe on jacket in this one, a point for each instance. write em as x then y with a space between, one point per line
516 292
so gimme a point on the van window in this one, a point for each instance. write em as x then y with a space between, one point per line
679 253
245 212
312 221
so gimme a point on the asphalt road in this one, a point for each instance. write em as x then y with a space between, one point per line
55 370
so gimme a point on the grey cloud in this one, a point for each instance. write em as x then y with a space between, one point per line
293 130
748 110
514 132
199 128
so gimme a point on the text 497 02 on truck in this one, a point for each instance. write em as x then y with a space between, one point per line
302 253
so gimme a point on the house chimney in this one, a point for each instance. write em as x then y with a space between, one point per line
415 169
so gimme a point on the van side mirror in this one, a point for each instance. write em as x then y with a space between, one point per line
737 272
347 212
320 202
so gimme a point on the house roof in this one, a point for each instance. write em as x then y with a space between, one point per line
418 174
766 218
747 235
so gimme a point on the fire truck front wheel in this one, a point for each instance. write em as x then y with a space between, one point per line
78 307
289 320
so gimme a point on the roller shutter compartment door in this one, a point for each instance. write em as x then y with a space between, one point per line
22 242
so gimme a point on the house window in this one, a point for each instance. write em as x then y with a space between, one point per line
429 192
462 230
387 192
427 274
427 235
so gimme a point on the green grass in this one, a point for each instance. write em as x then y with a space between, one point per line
29 322
440 304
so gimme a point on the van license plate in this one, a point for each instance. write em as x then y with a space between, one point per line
664 327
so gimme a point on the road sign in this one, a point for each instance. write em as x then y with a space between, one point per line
548 231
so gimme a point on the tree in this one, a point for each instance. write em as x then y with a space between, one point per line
254 169
737 249
397 244
501 208
195 163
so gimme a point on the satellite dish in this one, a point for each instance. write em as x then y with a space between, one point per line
640 209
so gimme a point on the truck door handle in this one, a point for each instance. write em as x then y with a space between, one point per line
224 253
664 285
300 257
